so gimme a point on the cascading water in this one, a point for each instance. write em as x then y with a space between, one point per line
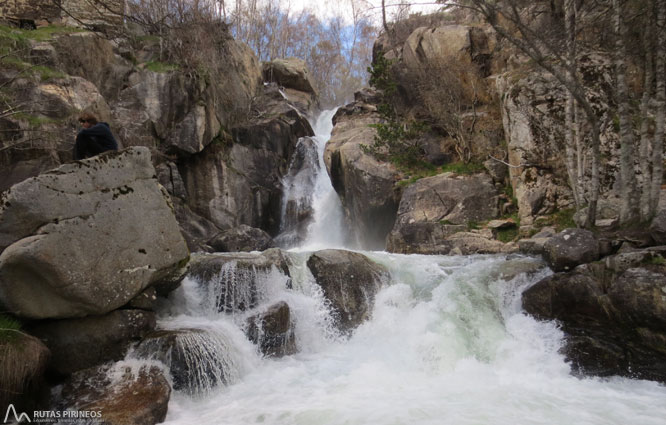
308 186
447 343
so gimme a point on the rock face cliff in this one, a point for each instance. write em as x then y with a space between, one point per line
481 103
221 139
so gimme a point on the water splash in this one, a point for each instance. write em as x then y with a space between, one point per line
447 344
198 359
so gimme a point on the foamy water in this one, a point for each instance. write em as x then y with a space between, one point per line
447 344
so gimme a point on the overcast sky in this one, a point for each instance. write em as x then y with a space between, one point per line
373 7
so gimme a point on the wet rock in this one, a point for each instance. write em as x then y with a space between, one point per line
242 238
570 248
366 187
238 181
118 394
87 237
78 344
24 361
299 187
272 331
198 359
614 317
349 281
236 282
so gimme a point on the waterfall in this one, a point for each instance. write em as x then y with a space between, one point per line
447 341
312 215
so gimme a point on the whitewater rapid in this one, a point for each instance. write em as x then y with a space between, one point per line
447 344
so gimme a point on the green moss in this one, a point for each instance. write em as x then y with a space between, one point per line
36 120
507 235
8 328
160 67
561 219
473 225
462 168
657 260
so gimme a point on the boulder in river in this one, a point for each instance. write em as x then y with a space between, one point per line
350 281
613 312
87 237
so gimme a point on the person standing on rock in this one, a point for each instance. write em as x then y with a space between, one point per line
94 138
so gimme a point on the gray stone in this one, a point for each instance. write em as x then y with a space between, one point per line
242 238
570 248
87 237
614 318
272 330
349 281
434 208
474 243
78 344
290 72
366 187
658 228
239 181
122 394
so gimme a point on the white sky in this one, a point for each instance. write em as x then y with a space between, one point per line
373 7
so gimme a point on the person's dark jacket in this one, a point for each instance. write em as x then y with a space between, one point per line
94 140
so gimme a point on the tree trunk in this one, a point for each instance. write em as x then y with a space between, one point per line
570 136
644 152
658 143
384 23
629 211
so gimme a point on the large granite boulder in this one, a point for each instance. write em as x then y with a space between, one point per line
613 312
569 248
78 344
87 237
181 114
350 281
119 394
434 208
290 73
239 281
272 330
365 186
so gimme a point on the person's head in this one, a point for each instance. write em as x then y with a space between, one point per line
87 120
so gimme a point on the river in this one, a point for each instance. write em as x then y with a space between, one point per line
447 344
